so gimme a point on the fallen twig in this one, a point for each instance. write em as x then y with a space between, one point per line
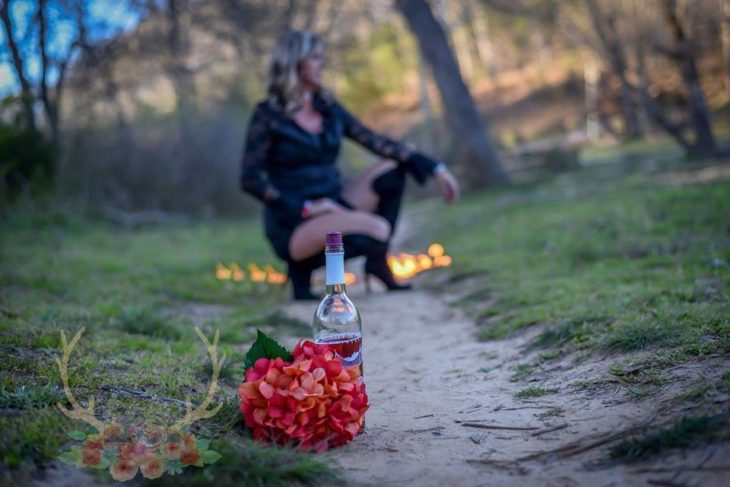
550 429
500 464
665 483
424 430
498 427
522 407
578 447
719 468
424 416
472 410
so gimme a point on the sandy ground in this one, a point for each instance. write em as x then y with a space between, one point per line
427 375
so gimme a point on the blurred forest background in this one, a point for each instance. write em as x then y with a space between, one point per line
138 106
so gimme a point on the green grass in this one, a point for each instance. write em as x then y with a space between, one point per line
139 293
522 372
30 396
604 258
534 391
685 432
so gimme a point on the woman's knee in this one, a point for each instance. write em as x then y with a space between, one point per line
385 165
377 227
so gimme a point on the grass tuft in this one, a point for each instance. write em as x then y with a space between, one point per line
682 434
26 397
534 391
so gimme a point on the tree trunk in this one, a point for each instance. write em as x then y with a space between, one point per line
50 106
704 143
178 56
468 129
652 108
726 42
429 136
25 89
605 26
591 76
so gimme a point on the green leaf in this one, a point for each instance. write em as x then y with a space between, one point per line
202 444
173 467
69 457
265 347
210 456
102 465
77 435
109 454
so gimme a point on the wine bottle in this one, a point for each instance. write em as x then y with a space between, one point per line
337 321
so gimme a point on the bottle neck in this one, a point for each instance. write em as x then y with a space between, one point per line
335 272
336 288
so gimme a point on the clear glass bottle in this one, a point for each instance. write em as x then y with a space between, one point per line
336 321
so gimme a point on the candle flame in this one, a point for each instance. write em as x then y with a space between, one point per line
350 278
402 265
222 272
237 273
257 275
405 265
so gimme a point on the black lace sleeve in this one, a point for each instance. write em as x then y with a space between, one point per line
254 178
371 140
418 164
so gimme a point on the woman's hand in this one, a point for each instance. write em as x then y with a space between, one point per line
448 184
323 205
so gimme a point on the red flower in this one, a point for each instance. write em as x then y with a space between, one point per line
134 452
153 468
189 456
312 402
172 450
94 444
90 457
123 470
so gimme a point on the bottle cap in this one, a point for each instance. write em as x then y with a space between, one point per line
333 242
333 238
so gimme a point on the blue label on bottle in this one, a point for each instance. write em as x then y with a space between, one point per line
335 268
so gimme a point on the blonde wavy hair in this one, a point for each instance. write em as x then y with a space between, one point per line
284 84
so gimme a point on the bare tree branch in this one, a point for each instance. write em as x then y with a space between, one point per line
18 64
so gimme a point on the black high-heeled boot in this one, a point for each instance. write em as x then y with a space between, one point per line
378 267
376 264
390 187
300 275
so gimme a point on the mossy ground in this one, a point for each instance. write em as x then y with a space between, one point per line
609 260
139 293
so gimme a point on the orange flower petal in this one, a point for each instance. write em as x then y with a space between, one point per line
272 375
259 415
266 389
319 374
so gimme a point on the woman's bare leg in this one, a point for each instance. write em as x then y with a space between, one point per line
308 237
359 193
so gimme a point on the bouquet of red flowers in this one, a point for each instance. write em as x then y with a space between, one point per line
305 399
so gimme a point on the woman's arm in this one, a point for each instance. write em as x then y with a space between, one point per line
254 179
419 164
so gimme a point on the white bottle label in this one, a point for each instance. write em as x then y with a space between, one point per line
335 265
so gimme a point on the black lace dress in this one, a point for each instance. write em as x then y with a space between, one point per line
284 165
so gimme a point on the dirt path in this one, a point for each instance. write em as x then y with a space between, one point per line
426 375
